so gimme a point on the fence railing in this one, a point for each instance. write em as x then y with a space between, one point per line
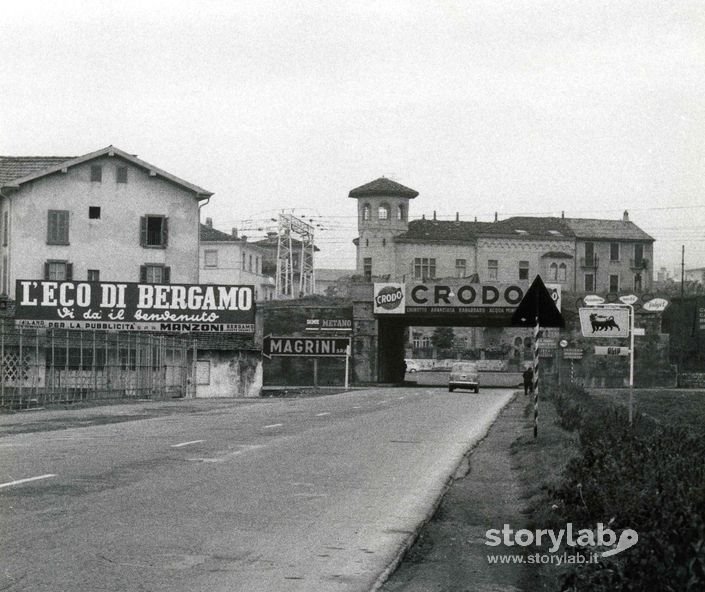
45 366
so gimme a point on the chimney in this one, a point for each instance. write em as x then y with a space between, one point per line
272 234
625 216
434 215
457 216
234 232
209 222
562 214
244 238
496 218
423 216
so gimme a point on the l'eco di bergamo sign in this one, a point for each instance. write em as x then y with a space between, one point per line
135 307
454 297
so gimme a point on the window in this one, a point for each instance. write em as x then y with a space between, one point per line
589 282
367 242
424 268
638 254
492 269
523 270
366 212
637 282
383 212
58 227
614 283
589 254
94 212
3 286
58 271
210 258
243 262
154 273
154 231
96 173
121 174
614 251
5 227
384 242
249 268
461 267
367 268
553 272
400 212
562 272
93 275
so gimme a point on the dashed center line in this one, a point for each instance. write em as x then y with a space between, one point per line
20 481
273 425
187 443
322 414
400 398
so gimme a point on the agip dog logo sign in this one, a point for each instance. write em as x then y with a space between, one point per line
603 321
389 299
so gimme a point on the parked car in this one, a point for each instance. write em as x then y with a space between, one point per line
464 375
412 365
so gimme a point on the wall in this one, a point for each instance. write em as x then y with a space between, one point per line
234 374
229 267
112 243
622 267
445 255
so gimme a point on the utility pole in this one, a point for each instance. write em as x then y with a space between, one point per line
288 265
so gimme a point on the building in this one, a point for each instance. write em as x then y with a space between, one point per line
612 255
696 274
104 216
230 259
579 254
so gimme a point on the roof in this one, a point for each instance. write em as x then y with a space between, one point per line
34 167
588 228
331 275
383 187
271 242
16 167
458 231
210 234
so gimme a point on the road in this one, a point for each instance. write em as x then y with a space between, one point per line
316 494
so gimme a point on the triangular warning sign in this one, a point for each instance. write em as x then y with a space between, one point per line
537 302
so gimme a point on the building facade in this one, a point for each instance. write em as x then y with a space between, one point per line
104 216
230 259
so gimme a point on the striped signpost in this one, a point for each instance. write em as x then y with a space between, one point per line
537 309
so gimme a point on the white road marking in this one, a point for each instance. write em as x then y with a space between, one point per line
227 455
400 398
322 414
20 481
357 407
273 425
187 443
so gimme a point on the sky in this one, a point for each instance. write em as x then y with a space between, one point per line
519 107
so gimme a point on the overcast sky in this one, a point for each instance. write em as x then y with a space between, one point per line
518 107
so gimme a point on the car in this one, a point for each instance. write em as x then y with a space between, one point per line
412 365
464 375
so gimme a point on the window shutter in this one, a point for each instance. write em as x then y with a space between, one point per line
46 270
50 226
143 274
165 231
143 231
64 217
166 275
69 271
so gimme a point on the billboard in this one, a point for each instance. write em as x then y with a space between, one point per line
124 306
389 298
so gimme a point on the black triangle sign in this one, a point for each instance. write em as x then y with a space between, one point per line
537 301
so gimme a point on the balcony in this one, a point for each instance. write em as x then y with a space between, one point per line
639 263
589 262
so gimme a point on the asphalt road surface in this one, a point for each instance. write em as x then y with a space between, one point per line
316 494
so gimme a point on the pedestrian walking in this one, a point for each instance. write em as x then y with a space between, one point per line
528 381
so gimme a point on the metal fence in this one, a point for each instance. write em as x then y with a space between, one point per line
45 366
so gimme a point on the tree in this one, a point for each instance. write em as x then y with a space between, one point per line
443 337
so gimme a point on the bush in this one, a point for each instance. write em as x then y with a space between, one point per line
645 477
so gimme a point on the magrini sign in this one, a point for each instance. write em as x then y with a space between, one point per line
128 306
318 347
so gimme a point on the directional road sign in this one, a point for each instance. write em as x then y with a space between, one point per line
318 347
608 350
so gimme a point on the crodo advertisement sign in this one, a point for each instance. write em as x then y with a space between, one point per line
128 306
454 298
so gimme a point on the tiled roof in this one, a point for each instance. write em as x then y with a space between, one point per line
35 167
459 231
271 242
383 187
210 234
16 167
587 228
331 275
